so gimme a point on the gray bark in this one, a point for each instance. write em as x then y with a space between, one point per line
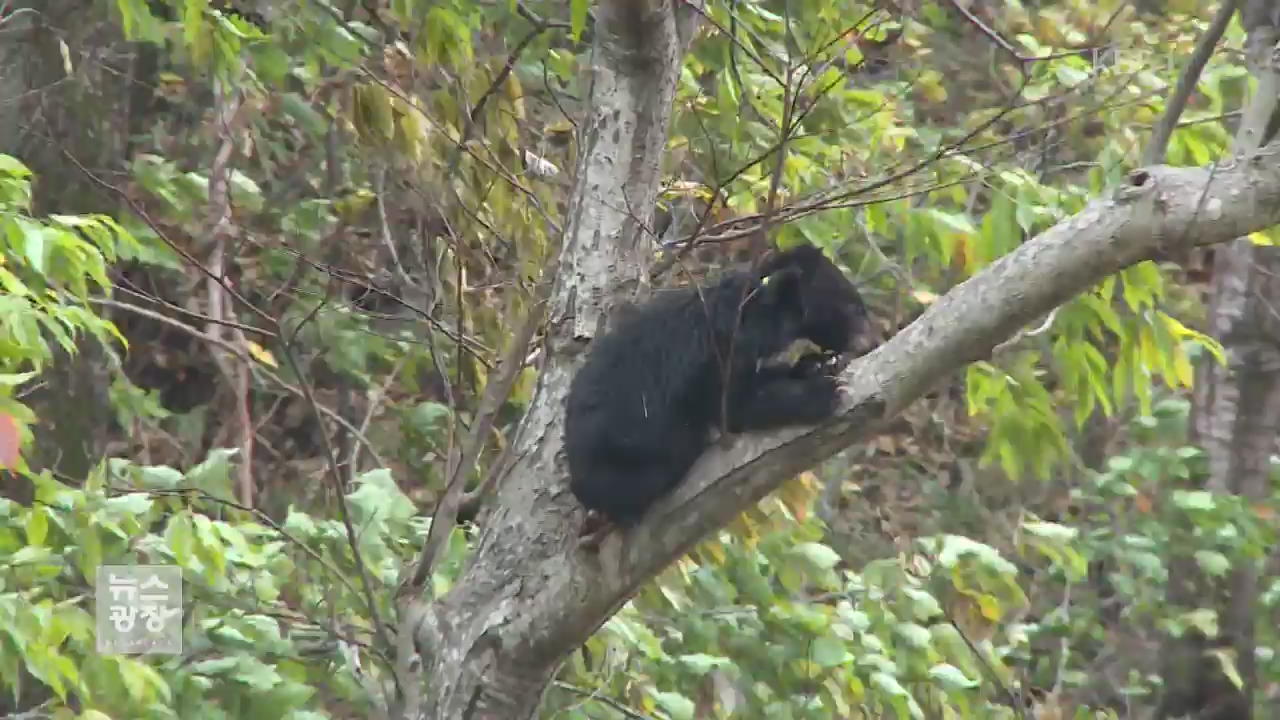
1236 418
481 654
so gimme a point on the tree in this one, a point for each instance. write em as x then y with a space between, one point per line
1237 418
317 175
529 596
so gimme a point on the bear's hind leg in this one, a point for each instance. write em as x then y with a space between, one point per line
622 491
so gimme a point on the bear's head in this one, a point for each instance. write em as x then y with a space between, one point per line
828 308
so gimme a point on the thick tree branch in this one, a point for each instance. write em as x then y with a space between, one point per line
1162 209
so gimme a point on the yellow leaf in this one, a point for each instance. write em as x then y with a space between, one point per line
373 119
1227 661
715 549
990 607
411 129
1182 331
1175 326
66 57
1147 349
798 493
1182 368
260 354
352 204
744 528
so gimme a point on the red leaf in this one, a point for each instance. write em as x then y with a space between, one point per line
8 441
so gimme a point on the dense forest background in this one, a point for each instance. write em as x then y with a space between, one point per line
293 289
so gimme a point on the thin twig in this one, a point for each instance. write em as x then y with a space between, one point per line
243 354
496 392
1154 153
339 489
142 214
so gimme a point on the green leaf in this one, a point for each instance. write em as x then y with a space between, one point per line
577 18
9 165
1227 662
1070 76
33 243
1120 464
951 678
675 705
924 606
887 684
1213 563
828 651
12 380
298 108
427 417
1204 620
1194 500
37 526
136 504
1052 531
180 536
213 474
818 555
701 663
89 551
244 191
917 636
955 547
954 222
159 477
29 555
215 666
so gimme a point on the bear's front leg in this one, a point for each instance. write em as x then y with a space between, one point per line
776 398
819 363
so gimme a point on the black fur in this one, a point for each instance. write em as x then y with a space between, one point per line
642 408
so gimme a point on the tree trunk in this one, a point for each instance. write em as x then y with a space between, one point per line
493 644
1236 418
56 59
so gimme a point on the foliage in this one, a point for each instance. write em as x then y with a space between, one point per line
47 268
272 624
782 627
398 185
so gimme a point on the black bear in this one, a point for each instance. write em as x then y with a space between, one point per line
642 408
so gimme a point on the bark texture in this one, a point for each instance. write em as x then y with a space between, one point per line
484 655
1236 418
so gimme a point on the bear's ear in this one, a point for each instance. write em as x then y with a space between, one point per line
783 285
804 257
